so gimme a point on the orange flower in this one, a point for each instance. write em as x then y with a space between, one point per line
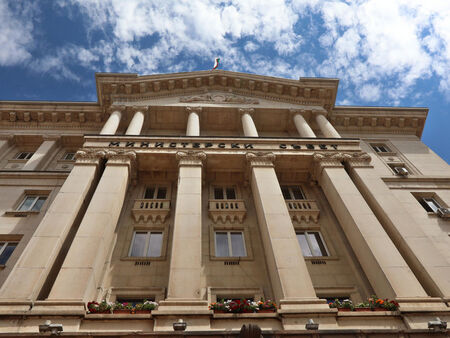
380 301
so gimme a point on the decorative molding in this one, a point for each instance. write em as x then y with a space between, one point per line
190 158
219 98
196 110
89 156
120 157
260 159
336 160
249 111
360 160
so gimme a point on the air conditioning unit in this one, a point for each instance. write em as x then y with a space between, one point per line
401 171
443 212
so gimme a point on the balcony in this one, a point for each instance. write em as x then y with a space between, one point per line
153 209
306 210
223 210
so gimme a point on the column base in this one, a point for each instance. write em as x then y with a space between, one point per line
422 304
304 305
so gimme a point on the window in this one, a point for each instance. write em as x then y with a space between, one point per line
6 249
429 204
399 169
230 244
24 155
224 193
380 148
312 244
32 203
146 244
292 193
69 157
155 192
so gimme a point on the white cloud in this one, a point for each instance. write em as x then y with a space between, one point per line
16 26
370 92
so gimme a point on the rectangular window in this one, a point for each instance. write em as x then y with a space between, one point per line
6 250
292 192
24 155
429 204
32 203
312 244
380 148
230 244
224 193
155 192
146 244
69 157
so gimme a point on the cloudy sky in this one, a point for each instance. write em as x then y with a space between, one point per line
385 52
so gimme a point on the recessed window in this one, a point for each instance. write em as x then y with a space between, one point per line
32 203
292 193
380 148
429 204
224 193
24 155
312 244
146 244
69 157
155 192
6 250
399 169
230 244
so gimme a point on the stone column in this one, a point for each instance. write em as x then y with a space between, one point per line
247 123
193 125
113 121
383 265
32 270
291 282
41 155
303 128
431 268
5 144
326 127
184 289
82 270
136 123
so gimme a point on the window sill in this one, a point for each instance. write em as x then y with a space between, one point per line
391 153
17 213
234 259
322 258
245 315
143 259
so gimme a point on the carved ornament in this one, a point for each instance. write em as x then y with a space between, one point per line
89 156
260 159
219 98
190 158
336 160
248 111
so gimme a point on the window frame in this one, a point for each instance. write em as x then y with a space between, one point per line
4 246
72 159
421 198
126 249
147 243
229 242
224 188
290 188
27 157
377 148
36 199
307 232
156 188
231 228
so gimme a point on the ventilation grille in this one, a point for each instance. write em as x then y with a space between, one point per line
142 263
318 261
231 263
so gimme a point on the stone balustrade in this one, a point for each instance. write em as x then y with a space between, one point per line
306 210
153 209
223 210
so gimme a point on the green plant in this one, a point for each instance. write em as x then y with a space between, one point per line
147 305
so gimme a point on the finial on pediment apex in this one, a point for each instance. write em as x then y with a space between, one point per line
190 158
89 156
249 111
260 159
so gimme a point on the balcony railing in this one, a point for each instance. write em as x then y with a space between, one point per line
306 210
153 209
223 210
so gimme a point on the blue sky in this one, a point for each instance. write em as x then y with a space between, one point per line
385 52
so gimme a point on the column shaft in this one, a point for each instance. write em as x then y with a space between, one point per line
248 125
136 124
326 127
40 155
81 272
303 128
193 125
4 146
385 268
112 123
33 267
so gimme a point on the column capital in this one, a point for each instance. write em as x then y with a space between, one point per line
319 111
260 159
116 107
89 157
190 109
120 157
358 160
190 158
135 109
249 111
51 137
295 111
337 160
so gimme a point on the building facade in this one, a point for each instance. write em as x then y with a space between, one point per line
190 188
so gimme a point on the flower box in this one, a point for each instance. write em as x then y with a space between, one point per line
142 311
344 309
122 311
362 309
267 311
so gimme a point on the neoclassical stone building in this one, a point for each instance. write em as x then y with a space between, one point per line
193 187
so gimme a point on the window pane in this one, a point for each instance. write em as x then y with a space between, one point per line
237 244
298 193
7 252
431 204
21 156
218 193
222 244
26 205
154 247
303 244
231 194
285 191
29 155
318 249
149 193
162 191
138 244
38 205
69 156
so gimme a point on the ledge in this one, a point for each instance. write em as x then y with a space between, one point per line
17 213
244 315
103 316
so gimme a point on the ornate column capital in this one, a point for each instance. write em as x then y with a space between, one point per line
319 111
89 157
123 158
197 110
249 111
260 159
191 158
116 107
325 160
358 160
